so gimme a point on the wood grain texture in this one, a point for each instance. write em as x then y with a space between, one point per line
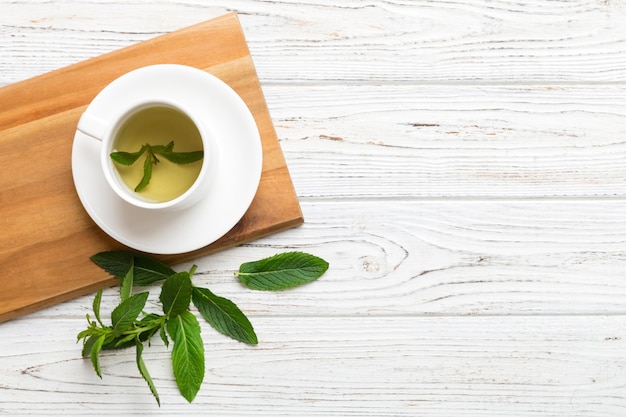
45 228
399 141
402 366
461 167
391 41
438 258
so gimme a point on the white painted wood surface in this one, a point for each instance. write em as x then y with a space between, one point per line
462 165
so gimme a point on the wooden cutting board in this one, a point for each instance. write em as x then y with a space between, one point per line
46 237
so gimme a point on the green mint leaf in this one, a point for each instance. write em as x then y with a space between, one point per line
282 271
147 172
88 345
151 323
127 158
85 333
116 263
123 341
143 370
176 294
187 353
224 315
169 147
94 353
146 271
163 335
182 158
158 148
118 344
125 314
126 286
149 270
96 306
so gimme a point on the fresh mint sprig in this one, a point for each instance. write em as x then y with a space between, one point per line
151 151
132 326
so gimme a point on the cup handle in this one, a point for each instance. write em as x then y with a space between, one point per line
92 126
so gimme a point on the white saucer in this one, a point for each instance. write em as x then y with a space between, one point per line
237 175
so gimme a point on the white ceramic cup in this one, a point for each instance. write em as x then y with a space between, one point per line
107 131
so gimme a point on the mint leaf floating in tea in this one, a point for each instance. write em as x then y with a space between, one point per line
132 326
128 158
151 151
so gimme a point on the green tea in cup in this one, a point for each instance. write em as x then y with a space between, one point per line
164 141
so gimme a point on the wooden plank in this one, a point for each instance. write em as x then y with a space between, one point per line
439 258
408 141
449 257
550 366
47 237
478 41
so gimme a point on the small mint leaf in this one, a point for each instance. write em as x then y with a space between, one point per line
126 286
124 341
182 158
94 353
187 353
143 370
176 294
125 314
88 345
282 271
96 306
127 158
163 335
147 172
224 316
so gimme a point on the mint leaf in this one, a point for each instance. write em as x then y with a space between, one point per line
146 270
282 271
176 294
96 306
143 370
224 316
88 345
182 157
168 153
126 286
124 341
96 347
125 314
116 263
149 270
147 172
162 148
187 353
127 158
151 322
163 335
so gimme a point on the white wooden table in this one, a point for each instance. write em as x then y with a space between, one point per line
461 165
